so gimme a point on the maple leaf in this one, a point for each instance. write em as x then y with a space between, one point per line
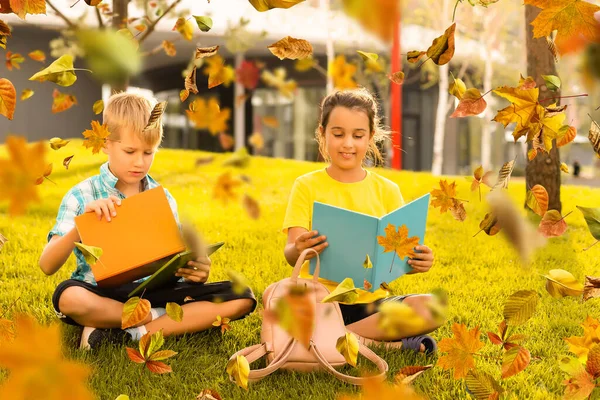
208 115
248 74
581 345
38 369
460 349
62 101
218 73
342 73
580 382
223 323
149 353
398 241
19 173
224 188
444 196
277 80
572 19
96 137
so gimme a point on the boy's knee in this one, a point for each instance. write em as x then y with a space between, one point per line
72 301
243 307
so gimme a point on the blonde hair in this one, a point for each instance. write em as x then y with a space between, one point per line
131 111
355 99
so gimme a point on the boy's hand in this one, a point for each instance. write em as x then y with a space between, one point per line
196 271
422 261
304 242
104 206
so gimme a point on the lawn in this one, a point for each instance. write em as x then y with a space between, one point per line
478 273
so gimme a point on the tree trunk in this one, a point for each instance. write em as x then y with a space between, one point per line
119 20
440 122
544 169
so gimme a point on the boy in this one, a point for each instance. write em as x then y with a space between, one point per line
79 301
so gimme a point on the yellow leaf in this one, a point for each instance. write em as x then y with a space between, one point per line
371 61
367 263
98 107
377 16
91 254
277 80
60 72
62 101
398 241
169 48
57 143
291 48
218 73
342 73
251 206
240 159
347 346
471 103
174 311
185 28
457 88
537 200
562 283
345 293
265 5
303 65
397 318
24 7
135 310
208 115
408 374
26 93
257 141
239 369
224 189
96 137
566 135
441 50
184 94
581 346
443 197
460 349
223 323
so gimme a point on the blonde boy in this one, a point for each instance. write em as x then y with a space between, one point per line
79 301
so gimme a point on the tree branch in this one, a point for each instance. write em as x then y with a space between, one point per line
153 25
61 15
100 22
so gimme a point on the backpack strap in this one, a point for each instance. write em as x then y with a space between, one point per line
257 351
382 366
300 261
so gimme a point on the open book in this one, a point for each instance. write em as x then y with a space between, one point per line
352 236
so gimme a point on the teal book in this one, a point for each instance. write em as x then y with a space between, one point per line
352 235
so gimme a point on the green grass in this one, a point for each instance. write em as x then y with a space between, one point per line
478 274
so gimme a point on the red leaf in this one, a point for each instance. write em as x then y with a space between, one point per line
135 355
158 367
494 338
248 74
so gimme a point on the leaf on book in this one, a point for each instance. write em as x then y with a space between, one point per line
91 254
347 346
239 369
367 263
398 241
174 311
345 293
135 310
397 318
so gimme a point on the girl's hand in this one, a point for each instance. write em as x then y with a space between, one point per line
305 241
104 207
422 261
196 271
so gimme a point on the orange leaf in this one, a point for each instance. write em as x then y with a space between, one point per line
460 349
13 60
515 360
62 101
441 50
227 142
566 135
295 313
37 55
158 367
190 83
537 200
397 77
342 73
552 224
376 389
471 103
8 98
494 338
414 56
95 137
184 94
251 206
218 73
271 122
169 48
208 115
135 355
398 241
6 330
408 374
581 345
24 7
593 362
224 188
135 310
377 16
223 323
443 197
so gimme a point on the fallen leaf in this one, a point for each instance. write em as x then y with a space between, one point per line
185 28
96 137
224 189
408 374
26 93
155 119
61 72
174 311
204 23
67 161
460 349
345 293
37 55
561 283
251 206
520 306
58 143
135 310
239 369
98 106
149 353
367 285
537 200
471 103
347 346
62 101
190 84
227 141
239 283
580 383
482 385
591 287
514 361
291 48
45 174
8 98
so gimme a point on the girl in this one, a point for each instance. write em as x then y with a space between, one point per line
347 135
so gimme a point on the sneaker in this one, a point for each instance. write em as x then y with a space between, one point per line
97 336
85 334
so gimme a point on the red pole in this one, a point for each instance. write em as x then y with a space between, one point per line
396 103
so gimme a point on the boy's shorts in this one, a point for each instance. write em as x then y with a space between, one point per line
215 292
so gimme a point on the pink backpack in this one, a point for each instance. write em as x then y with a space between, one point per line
284 351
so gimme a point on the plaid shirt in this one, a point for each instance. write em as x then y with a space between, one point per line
100 186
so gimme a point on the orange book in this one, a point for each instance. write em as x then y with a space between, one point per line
136 242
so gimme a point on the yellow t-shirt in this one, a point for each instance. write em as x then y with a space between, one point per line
374 195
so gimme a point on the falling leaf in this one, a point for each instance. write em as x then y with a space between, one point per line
414 56
398 241
458 210
204 160
184 94
96 137
227 141
265 5
37 55
19 173
347 346
592 218
397 77
526 83
572 19
155 119
135 310
594 137
140 27
552 224
149 353
223 323
91 254
482 385
251 206
37 366
188 298
471 103
552 82
378 17
294 312
520 306
580 384
61 72
208 115
367 285
371 62
57 143
8 98
457 88
67 161
342 73
561 283
591 287
367 263
26 93
239 159
566 135
397 318
593 361
514 361
208 394
174 311
169 48
190 84
271 122
98 107
345 293
225 186
441 50
13 60
239 283
257 141
205 52
408 374
504 175
248 74
581 345
291 48
277 80
22 8
5 32
239 369
204 23
185 28
564 167
489 224
218 73
444 196
45 174
537 200
62 101
478 178
305 64
460 349
6 326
